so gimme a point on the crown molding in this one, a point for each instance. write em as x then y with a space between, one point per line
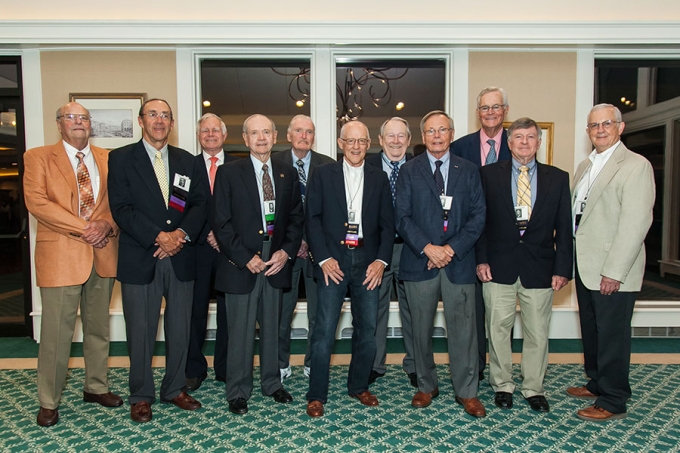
147 33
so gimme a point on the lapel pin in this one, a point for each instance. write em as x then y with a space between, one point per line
281 175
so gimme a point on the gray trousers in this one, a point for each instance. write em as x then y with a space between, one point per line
390 280
261 305
141 307
459 313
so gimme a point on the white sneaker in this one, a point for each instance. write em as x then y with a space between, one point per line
285 373
307 371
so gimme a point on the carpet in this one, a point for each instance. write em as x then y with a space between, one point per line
653 423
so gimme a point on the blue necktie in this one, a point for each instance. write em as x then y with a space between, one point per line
393 181
438 178
491 157
303 178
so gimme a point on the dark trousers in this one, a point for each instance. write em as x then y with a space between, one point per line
364 306
480 310
606 333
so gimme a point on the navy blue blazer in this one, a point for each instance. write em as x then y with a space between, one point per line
237 223
468 147
139 210
546 248
326 215
419 218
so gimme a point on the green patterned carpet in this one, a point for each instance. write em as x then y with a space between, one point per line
653 423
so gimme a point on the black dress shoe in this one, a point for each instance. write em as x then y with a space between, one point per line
238 406
220 378
48 417
374 376
194 383
503 400
413 377
282 396
539 403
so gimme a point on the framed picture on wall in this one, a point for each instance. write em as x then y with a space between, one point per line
114 117
545 152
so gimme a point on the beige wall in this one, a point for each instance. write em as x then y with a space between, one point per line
64 72
540 85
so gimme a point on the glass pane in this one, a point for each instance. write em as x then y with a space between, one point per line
8 75
373 91
667 84
617 85
236 89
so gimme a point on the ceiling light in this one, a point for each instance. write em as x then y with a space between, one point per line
206 103
400 105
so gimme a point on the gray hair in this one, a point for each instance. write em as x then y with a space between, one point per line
299 117
433 113
395 118
524 123
617 112
492 90
245 123
211 115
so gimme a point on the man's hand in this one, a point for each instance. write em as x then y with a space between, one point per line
102 244
276 262
439 255
374 274
609 286
484 273
256 265
559 282
303 252
331 269
169 244
96 231
212 241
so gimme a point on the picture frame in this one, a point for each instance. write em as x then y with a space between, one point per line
544 154
114 117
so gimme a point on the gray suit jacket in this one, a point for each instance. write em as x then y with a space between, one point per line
618 214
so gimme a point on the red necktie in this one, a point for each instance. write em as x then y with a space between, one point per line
84 188
212 172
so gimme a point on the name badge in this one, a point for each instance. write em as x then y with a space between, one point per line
580 206
352 236
269 209
446 201
522 216
182 182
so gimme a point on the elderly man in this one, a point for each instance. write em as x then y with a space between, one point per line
157 200
350 228
257 220
525 252
483 147
395 138
211 132
613 200
300 134
75 258
440 214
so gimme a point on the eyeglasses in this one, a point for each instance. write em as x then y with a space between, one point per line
354 141
395 136
441 130
605 124
163 115
73 116
496 108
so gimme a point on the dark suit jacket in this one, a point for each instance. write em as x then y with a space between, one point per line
237 223
326 215
468 147
419 218
205 186
546 248
138 208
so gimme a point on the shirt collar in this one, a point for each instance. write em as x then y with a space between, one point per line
220 156
73 151
445 158
531 165
388 161
306 160
605 154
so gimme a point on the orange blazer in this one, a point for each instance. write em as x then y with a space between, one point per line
62 257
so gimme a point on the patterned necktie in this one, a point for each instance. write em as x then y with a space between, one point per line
438 178
303 178
491 157
159 169
393 181
212 172
524 188
267 188
86 195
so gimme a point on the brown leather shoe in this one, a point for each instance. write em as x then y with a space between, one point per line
105 399
472 406
48 417
140 412
366 398
597 414
581 393
424 399
315 408
184 401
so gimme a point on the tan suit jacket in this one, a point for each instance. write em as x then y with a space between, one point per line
618 214
62 257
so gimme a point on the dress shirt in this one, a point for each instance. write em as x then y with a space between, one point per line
89 162
532 180
485 147
446 158
354 190
258 176
206 158
305 161
151 151
387 164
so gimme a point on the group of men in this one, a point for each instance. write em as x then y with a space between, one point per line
477 223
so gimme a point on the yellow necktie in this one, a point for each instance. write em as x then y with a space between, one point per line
524 188
159 169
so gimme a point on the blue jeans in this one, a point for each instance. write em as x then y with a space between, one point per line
353 264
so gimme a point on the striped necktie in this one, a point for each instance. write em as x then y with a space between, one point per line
524 188
491 157
86 195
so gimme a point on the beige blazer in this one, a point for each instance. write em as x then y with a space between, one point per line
618 214
62 257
